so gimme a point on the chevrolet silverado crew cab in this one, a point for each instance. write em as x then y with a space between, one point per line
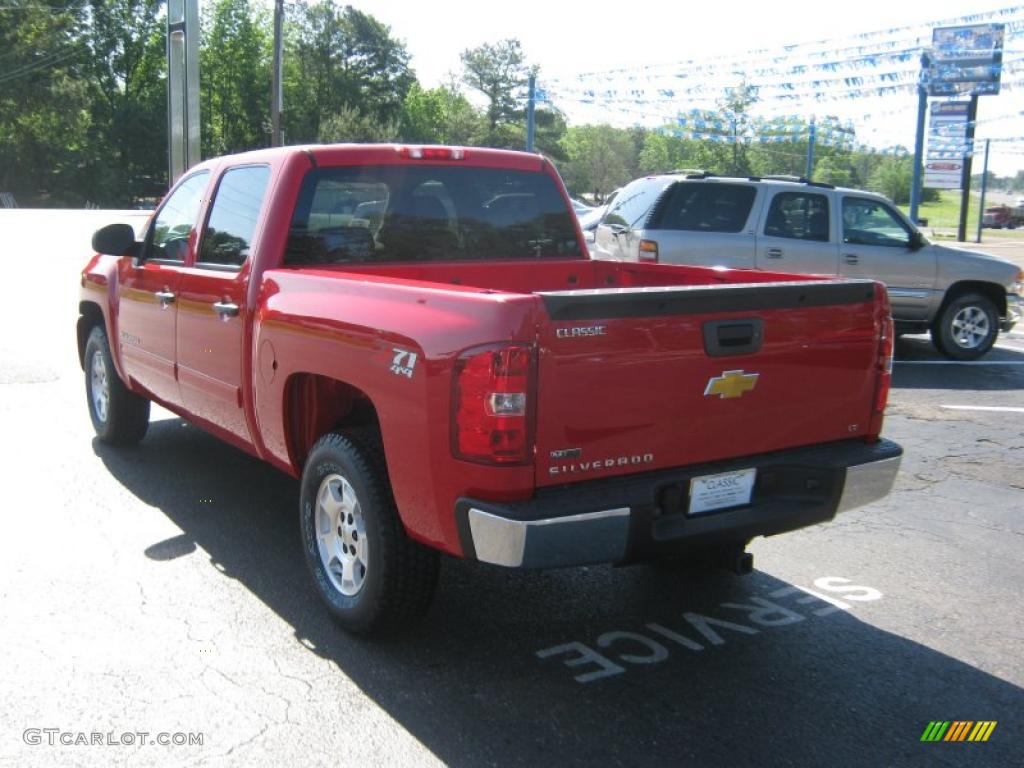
962 298
419 335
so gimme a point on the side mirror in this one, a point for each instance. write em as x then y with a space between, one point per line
114 240
916 241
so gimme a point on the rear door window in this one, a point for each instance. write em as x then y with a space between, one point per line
633 204
706 207
424 213
799 216
232 222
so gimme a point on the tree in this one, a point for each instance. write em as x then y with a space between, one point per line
598 158
892 178
441 115
234 74
351 125
337 58
497 71
125 152
44 99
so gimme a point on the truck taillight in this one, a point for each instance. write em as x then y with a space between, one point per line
492 405
886 346
648 251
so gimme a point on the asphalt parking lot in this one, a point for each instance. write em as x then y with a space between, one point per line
161 589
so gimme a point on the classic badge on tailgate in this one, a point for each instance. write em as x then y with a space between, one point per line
731 384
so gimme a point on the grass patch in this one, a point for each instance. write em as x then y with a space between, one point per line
946 212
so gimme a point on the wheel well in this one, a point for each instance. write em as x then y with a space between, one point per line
316 405
991 290
90 316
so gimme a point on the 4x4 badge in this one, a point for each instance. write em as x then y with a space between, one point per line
731 384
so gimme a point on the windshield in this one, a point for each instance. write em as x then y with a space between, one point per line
423 213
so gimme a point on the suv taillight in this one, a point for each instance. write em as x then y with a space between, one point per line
492 405
648 251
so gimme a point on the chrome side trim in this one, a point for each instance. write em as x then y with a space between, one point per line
866 483
907 293
591 537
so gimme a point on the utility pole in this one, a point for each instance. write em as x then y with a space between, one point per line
531 106
276 90
922 107
984 187
965 185
811 135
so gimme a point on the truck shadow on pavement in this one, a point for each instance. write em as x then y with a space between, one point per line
491 676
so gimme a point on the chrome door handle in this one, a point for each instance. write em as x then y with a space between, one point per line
166 298
851 258
773 253
225 309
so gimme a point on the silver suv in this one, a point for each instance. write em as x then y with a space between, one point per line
790 225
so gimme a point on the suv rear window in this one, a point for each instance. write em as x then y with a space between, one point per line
423 213
706 207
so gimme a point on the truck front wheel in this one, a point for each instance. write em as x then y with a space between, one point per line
373 578
967 327
118 415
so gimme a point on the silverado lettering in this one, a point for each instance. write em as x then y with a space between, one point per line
385 324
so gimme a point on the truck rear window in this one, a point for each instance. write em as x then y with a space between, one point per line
425 213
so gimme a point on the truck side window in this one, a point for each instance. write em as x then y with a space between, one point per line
798 215
705 207
871 222
177 220
236 208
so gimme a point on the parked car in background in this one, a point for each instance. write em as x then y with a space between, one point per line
961 297
580 207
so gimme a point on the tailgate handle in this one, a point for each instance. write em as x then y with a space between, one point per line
733 337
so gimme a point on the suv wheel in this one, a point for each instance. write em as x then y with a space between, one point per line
967 327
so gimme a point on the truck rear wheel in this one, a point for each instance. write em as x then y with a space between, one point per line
119 416
967 327
373 578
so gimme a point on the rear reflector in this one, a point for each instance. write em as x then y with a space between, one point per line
432 153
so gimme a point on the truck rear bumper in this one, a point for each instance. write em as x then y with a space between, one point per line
642 516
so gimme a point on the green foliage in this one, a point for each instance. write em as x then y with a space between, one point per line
597 159
351 125
497 71
439 116
234 64
892 178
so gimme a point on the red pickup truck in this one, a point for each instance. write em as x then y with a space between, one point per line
419 334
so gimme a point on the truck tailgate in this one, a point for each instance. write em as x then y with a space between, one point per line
632 380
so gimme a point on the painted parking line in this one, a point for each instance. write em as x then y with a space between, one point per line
958 362
992 408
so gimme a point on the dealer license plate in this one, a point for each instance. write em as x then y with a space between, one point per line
728 489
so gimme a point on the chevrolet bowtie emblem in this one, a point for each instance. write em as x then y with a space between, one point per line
731 384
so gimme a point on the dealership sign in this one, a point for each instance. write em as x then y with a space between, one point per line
966 60
947 145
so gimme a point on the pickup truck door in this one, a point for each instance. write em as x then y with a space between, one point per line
877 243
148 291
798 233
212 311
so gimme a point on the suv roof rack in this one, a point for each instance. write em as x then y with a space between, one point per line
682 172
795 180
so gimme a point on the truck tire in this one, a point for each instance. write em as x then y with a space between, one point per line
373 578
119 416
967 327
